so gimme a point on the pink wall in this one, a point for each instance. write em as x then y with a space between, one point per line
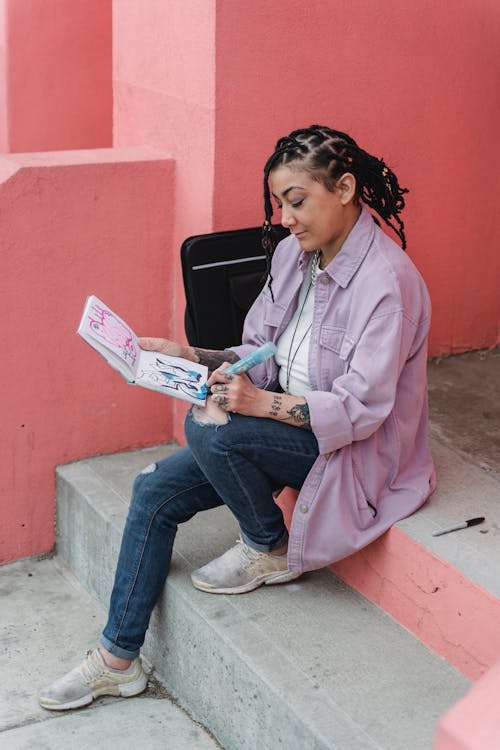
212 85
3 79
416 83
215 84
57 74
74 223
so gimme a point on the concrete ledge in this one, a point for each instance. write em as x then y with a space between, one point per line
75 223
308 665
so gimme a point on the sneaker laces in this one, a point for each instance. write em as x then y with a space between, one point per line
247 554
90 669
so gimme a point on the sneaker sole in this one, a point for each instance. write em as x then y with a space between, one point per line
268 579
127 690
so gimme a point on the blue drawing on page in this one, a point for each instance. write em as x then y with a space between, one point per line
174 377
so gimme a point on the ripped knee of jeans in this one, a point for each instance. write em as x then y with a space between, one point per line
149 468
211 415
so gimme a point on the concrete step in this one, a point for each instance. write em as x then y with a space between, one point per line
311 665
445 589
47 622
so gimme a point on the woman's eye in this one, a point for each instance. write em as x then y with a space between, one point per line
297 203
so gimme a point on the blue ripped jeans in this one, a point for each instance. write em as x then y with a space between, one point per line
238 464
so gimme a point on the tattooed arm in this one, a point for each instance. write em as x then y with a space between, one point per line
291 409
212 358
237 393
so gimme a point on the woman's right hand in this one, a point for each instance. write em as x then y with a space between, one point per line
165 346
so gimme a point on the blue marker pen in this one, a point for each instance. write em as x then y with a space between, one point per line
254 358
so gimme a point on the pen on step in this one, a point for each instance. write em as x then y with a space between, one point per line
458 526
250 360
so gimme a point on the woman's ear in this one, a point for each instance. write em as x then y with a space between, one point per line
346 184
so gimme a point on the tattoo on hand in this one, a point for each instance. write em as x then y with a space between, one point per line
223 402
275 406
300 415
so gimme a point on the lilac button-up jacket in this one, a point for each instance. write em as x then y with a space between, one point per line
368 403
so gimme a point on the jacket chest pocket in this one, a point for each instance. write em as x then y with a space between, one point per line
336 350
273 317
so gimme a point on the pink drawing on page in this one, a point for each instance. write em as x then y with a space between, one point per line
110 328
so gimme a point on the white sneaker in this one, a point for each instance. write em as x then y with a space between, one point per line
242 569
91 679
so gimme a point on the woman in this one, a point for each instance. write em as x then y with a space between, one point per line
340 413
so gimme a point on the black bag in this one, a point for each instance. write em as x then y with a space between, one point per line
223 273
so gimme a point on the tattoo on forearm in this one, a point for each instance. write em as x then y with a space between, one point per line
213 358
276 405
300 415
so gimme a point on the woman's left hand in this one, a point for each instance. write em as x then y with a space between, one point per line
234 392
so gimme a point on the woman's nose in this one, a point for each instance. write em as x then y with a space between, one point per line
287 219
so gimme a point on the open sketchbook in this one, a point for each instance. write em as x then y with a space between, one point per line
117 343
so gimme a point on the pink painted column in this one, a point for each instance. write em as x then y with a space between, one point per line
164 95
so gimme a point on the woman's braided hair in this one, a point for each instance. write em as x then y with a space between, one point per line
326 154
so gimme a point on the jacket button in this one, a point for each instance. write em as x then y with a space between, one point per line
303 508
325 279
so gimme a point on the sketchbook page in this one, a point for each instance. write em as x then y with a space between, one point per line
173 376
110 336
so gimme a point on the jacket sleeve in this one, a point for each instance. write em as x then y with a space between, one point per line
258 329
364 396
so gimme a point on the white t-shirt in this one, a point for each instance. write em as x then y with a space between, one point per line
293 345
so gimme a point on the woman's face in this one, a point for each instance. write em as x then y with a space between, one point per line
318 218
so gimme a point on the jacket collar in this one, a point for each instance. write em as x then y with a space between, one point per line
353 251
